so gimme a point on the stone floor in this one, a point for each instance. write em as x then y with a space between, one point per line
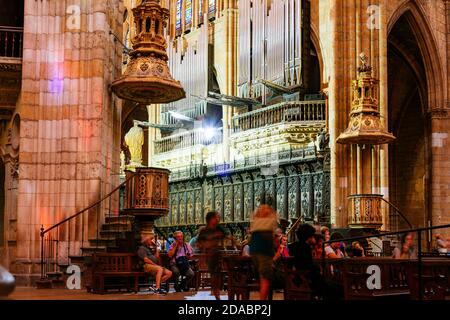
29 293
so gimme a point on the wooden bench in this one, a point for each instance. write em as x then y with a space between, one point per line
435 279
296 287
203 278
118 266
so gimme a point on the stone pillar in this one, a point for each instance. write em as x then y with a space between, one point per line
225 61
69 155
440 167
345 31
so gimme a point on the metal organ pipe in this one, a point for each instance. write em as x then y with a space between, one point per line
270 45
188 61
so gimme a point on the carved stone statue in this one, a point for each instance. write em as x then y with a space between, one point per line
322 140
134 139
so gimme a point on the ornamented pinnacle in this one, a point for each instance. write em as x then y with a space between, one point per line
365 125
147 77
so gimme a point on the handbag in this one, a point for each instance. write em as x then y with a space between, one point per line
182 262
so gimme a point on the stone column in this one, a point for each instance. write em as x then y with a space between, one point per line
225 59
69 155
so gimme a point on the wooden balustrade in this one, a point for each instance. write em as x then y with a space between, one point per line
297 111
11 41
365 210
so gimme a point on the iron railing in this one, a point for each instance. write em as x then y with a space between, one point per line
11 41
394 221
67 237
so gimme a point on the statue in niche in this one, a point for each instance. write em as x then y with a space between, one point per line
322 140
134 140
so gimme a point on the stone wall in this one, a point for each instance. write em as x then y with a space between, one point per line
70 123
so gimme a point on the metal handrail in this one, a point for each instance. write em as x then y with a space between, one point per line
43 232
54 250
9 28
398 211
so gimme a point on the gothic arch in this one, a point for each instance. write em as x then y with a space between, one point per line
318 47
427 44
414 89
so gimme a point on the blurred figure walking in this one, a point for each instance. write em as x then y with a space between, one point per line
210 241
264 222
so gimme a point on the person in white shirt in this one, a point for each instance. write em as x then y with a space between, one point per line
334 251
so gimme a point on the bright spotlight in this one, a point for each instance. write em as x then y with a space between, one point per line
209 133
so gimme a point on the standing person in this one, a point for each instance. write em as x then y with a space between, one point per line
210 241
262 227
150 264
406 250
180 253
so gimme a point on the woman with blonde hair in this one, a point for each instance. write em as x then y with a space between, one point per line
263 223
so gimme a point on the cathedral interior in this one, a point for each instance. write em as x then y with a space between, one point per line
122 119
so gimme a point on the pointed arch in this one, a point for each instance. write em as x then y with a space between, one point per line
427 45
318 46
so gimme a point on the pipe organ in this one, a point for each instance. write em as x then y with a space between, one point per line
256 49
188 60
270 45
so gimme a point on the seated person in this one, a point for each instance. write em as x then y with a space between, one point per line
441 244
304 265
180 253
281 252
317 252
149 262
245 248
357 249
406 250
334 249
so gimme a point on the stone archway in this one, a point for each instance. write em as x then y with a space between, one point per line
412 85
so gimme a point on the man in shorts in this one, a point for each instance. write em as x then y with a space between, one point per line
149 261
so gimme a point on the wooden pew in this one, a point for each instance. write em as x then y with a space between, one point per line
203 278
118 266
435 279
242 277
359 283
